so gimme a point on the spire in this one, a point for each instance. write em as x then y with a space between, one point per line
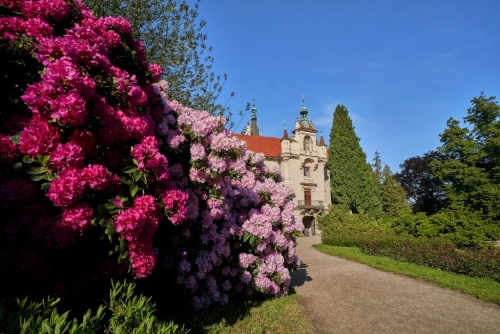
321 140
255 128
304 120
285 133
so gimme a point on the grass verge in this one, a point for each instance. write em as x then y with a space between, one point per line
276 315
482 288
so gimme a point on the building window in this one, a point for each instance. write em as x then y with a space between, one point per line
306 171
307 197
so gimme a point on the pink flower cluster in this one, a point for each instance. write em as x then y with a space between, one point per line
89 119
243 213
137 225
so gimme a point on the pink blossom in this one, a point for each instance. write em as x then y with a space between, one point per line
176 202
197 151
78 217
246 277
67 188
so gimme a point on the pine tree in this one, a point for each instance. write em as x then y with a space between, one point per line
351 176
377 174
390 193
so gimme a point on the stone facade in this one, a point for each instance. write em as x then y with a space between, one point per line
303 161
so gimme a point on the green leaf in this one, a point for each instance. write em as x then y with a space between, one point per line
15 138
123 179
105 222
109 206
34 170
28 160
45 186
37 177
130 170
133 189
17 166
137 176
95 221
102 210
123 245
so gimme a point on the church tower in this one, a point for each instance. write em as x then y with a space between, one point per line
254 128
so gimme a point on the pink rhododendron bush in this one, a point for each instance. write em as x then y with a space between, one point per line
100 174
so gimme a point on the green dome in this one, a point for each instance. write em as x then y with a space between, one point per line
304 120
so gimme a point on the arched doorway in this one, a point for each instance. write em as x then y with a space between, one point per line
309 225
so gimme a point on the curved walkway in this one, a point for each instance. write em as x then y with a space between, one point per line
342 296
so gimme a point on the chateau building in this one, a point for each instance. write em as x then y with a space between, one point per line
303 163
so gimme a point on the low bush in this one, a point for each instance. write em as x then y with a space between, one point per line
341 220
466 229
126 312
438 252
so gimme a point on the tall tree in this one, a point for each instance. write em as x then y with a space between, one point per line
377 174
472 174
392 194
351 176
389 191
173 38
425 192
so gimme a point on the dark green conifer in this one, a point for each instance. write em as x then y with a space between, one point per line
351 176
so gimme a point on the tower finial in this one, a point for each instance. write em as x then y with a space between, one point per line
303 99
285 123
254 126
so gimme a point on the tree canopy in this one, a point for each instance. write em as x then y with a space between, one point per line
425 192
173 38
351 180
471 175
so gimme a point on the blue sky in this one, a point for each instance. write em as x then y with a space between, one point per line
402 68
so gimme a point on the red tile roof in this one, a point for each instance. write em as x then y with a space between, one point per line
270 146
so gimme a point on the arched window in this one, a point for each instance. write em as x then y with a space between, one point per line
308 167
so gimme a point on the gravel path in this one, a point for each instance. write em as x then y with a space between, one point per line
342 296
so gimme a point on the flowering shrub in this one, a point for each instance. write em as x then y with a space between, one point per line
97 164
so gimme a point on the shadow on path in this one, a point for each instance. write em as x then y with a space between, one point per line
300 276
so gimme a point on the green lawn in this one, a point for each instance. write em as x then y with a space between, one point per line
275 315
482 288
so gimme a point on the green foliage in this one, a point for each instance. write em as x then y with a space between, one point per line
389 191
416 225
351 176
463 228
425 192
172 38
471 175
127 313
345 239
341 220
